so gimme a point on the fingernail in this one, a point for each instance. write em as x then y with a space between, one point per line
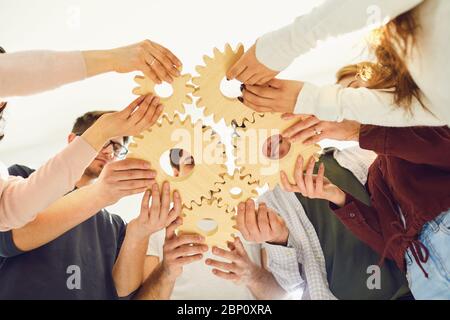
241 99
208 261
176 195
242 87
228 79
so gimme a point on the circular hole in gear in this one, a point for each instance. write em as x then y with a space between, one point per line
208 227
230 89
236 192
177 163
276 147
164 90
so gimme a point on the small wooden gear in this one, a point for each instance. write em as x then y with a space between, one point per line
181 95
208 87
209 210
200 142
250 156
238 181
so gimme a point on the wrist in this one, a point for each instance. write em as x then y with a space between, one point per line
168 274
282 240
136 233
95 135
98 61
339 198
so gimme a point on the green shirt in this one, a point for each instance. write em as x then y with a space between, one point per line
347 258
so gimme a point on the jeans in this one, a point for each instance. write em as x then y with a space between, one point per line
435 235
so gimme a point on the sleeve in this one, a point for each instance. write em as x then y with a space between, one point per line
22 199
30 72
420 145
8 248
278 49
283 264
361 220
156 243
367 106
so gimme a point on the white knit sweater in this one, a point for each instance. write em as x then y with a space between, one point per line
428 63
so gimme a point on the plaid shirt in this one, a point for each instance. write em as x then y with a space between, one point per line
299 268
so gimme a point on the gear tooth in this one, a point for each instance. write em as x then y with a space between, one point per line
200 69
139 79
188 99
228 49
207 59
137 91
217 53
190 88
240 49
196 81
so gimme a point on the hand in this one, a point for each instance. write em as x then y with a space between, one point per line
275 96
159 215
241 270
249 70
123 178
179 251
313 186
264 226
155 61
140 115
311 130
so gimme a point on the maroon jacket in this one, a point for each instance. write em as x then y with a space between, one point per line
411 172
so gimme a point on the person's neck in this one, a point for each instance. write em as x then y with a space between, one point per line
84 181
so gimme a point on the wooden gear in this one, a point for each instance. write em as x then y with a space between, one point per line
225 186
209 210
208 87
256 163
153 143
181 93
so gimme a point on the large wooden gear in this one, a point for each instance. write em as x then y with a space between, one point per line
193 138
224 192
208 87
249 150
181 95
209 210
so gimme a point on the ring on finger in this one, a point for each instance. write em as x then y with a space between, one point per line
153 62
317 132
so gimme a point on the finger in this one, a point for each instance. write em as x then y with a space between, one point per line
250 219
240 219
287 186
170 231
225 275
182 261
189 250
265 80
133 174
255 107
177 202
155 209
239 246
245 75
130 164
165 61
236 69
298 128
184 239
161 72
221 265
254 79
129 185
309 183
289 116
165 201
298 175
263 221
224 254
175 61
276 83
257 100
129 110
146 120
319 180
145 204
262 91
156 115
130 192
142 110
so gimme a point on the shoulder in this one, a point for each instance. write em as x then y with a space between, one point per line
18 170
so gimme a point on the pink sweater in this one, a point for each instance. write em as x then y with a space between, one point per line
27 73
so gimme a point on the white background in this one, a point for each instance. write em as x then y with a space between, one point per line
38 125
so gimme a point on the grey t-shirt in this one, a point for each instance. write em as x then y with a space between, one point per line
77 265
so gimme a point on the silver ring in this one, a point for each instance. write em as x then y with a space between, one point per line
153 62
317 132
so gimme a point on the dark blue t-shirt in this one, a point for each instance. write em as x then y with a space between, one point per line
77 265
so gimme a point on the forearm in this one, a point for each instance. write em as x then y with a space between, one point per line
60 217
277 49
22 199
265 287
128 271
366 106
158 286
30 72
97 62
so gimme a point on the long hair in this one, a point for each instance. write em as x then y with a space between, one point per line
392 44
